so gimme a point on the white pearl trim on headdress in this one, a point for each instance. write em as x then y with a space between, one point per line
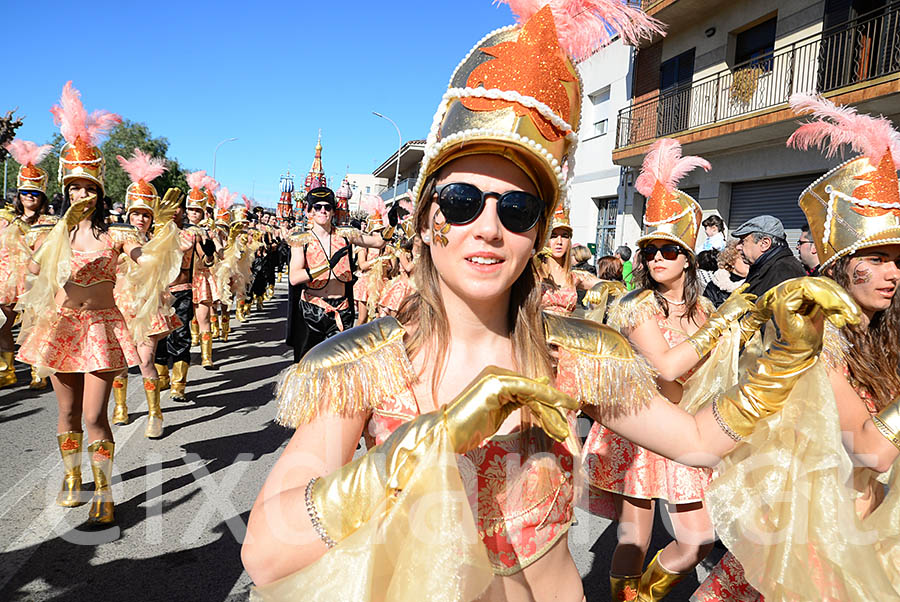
513 96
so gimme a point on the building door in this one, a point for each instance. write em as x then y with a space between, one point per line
675 77
608 208
777 197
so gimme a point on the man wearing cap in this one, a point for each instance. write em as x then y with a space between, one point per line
763 245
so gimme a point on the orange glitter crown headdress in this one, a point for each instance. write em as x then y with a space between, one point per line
196 198
142 169
28 154
517 93
670 214
856 205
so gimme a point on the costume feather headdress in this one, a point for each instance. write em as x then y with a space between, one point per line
142 166
195 179
26 152
665 165
225 198
74 121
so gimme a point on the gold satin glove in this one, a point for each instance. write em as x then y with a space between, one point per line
234 231
344 500
164 209
7 214
797 307
734 307
888 422
388 233
78 211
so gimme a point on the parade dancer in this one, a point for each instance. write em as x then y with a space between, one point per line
402 285
470 356
322 262
29 210
559 283
842 435
143 206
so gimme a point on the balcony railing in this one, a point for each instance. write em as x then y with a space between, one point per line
395 191
851 53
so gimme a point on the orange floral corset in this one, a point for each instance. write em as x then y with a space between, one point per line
316 256
558 300
521 509
92 267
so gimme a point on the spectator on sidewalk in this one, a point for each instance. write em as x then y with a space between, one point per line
715 233
581 257
806 248
730 275
624 253
763 245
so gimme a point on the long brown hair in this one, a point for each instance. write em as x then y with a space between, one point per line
874 352
692 292
426 321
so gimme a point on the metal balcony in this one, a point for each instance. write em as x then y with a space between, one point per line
852 53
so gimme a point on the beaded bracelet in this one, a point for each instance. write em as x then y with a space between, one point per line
314 514
722 424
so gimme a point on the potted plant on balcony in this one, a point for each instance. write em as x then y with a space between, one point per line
744 84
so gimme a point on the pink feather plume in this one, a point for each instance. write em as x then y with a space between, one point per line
665 164
75 122
248 202
225 198
407 205
142 166
210 184
834 126
26 152
584 26
372 204
195 179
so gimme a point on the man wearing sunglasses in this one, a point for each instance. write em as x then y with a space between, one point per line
764 247
806 249
321 274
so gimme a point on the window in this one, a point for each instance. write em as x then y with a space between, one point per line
677 70
754 46
600 112
368 189
606 224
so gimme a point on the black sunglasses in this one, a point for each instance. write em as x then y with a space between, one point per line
668 252
461 203
320 206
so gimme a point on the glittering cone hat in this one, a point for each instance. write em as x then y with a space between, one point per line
517 93
669 214
197 198
142 169
224 202
28 154
561 219
239 212
80 157
856 205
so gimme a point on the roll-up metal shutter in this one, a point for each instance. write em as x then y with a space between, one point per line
777 197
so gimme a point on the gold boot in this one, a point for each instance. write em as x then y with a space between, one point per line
280 276
206 350
163 372
239 311
120 393
179 380
102 506
259 302
657 581
70 450
226 327
195 333
270 292
214 326
154 428
8 373
624 589
37 384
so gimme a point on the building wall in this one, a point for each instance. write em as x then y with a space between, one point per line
360 182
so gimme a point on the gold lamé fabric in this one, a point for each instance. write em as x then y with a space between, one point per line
14 258
784 502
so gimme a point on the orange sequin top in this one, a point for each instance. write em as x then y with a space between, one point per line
93 267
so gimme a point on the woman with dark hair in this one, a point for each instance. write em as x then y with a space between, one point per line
714 227
29 210
609 267
457 388
665 318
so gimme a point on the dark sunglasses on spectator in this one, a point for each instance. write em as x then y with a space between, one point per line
668 252
321 207
461 203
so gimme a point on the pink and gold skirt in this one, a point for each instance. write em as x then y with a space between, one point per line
81 340
616 465
361 289
12 280
726 583
163 324
204 288
395 292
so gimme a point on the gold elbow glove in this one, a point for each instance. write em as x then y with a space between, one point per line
343 501
165 209
797 307
888 422
737 304
78 211
388 233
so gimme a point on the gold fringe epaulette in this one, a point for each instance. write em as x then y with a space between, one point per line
633 309
124 233
347 374
348 232
301 238
36 232
597 366
835 347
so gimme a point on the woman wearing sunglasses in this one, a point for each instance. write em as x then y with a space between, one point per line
559 283
468 491
322 262
29 209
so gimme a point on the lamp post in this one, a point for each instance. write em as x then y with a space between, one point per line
217 150
399 148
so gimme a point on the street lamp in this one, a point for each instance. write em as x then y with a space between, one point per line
399 148
217 150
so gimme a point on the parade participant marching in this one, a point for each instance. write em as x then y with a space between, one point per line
402 285
470 357
322 262
842 433
559 283
670 323
143 207
29 209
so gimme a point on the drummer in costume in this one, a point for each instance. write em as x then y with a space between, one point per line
28 211
322 263
468 358
836 521
75 332
143 206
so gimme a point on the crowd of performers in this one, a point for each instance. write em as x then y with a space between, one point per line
771 421
93 298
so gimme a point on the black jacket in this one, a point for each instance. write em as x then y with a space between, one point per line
774 267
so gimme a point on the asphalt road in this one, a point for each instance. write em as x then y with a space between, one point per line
181 501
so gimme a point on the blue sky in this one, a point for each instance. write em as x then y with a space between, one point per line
269 73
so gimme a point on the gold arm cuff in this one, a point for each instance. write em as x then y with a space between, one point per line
314 516
723 424
887 421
